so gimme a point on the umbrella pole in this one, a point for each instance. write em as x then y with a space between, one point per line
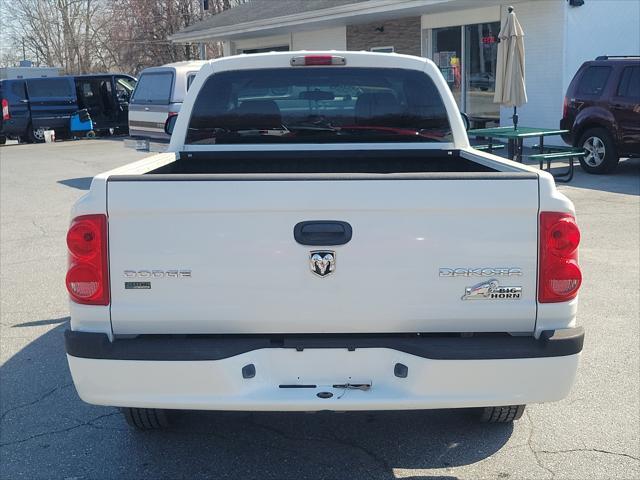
515 118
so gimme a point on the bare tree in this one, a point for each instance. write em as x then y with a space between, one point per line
91 35
58 32
139 34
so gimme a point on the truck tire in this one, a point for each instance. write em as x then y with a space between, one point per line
501 414
145 418
35 135
600 154
3 139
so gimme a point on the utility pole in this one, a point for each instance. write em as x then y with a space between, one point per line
204 5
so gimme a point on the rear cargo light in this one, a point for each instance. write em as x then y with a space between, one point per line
88 273
308 60
559 276
564 279
83 282
5 109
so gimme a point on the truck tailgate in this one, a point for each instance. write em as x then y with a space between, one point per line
214 256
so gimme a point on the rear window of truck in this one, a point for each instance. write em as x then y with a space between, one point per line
153 88
318 105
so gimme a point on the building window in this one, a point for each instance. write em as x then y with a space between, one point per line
480 57
278 48
447 50
383 49
467 56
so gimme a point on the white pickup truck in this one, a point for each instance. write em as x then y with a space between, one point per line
321 236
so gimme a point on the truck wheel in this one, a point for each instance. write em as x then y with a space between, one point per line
145 418
501 414
35 135
600 154
3 139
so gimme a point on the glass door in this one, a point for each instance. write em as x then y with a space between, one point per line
446 54
467 57
480 57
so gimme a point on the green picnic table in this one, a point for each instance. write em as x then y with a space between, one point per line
515 137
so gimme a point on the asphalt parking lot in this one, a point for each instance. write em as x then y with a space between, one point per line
46 431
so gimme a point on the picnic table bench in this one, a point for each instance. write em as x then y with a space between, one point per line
546 155
489 147
569 154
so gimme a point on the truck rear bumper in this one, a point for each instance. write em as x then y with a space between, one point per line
290 379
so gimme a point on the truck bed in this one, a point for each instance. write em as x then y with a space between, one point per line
323 161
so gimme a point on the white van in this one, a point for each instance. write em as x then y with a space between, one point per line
158 95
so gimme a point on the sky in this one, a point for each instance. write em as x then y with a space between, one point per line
5 27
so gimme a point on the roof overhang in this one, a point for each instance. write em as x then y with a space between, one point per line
363 12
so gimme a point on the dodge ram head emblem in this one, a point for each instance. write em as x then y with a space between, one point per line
491 290
322 262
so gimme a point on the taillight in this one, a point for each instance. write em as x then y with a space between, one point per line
5 109
310 60
565 108
88 274
559 277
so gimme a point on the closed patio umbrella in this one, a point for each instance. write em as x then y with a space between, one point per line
510 80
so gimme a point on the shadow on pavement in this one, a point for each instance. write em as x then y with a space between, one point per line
39 323
45 427
81 183
625 179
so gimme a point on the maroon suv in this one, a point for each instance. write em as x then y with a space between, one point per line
602 112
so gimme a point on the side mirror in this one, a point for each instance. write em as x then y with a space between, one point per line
465 120
170 123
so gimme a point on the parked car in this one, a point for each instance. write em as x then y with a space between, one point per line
602 111
159 94
321 236
31 106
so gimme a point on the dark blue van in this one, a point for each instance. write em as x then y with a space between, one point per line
31 106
